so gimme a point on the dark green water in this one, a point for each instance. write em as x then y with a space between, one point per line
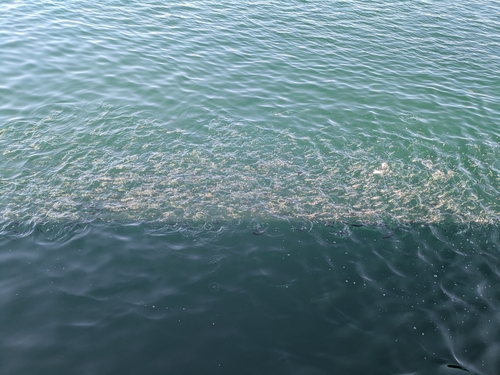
109 298
249 187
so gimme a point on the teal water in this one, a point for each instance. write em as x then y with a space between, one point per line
249 187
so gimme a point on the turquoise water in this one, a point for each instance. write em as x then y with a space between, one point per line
299 188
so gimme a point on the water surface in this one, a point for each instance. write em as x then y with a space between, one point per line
249 187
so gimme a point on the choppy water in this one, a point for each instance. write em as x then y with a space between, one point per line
249 187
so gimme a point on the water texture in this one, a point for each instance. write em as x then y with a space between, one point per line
249 187
115 299
314 110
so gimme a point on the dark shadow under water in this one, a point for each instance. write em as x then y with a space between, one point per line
249 298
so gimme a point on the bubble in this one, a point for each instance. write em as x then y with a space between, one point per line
214 287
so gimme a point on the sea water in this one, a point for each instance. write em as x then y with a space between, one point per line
249 187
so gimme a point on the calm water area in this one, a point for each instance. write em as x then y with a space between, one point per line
306 187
